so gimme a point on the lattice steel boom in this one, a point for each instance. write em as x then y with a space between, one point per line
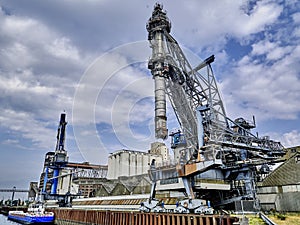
212 140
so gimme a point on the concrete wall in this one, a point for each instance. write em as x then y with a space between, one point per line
64 183
125 164
159 148
111 168
133 159
280 198
130 163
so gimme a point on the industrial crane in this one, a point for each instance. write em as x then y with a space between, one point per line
58 173
55 163
208 139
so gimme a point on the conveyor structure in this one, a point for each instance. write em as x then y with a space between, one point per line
207 140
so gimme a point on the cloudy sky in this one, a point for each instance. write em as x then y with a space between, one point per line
89 58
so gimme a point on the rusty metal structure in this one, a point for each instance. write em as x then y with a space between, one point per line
208 142
68 216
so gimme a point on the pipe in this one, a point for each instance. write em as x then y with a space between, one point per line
55 181
45 180
161 130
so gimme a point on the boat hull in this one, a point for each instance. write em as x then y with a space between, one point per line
26 219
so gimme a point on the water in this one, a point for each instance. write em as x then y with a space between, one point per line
4 221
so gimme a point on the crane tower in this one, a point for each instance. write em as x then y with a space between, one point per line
55 163
208 139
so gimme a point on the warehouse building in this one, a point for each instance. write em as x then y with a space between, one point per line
280 190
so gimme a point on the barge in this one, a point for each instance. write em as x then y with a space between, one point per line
36 214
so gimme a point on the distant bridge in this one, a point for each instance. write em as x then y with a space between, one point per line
13 190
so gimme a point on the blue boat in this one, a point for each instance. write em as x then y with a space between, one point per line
35 215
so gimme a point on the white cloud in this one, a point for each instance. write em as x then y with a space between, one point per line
263 47
15 84
272 50
296 17
291 139
39 68
17 56
288 139
296 32
62 48
264 13
214 21
21 123
266 81
45 48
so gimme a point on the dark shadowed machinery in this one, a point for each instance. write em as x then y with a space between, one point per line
209 144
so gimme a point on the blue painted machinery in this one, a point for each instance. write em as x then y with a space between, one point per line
54 163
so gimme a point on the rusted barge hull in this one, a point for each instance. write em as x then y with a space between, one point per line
97 217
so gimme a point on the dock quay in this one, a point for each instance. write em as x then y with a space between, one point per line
5 209
100 217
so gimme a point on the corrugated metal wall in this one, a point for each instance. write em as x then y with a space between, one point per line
95 217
